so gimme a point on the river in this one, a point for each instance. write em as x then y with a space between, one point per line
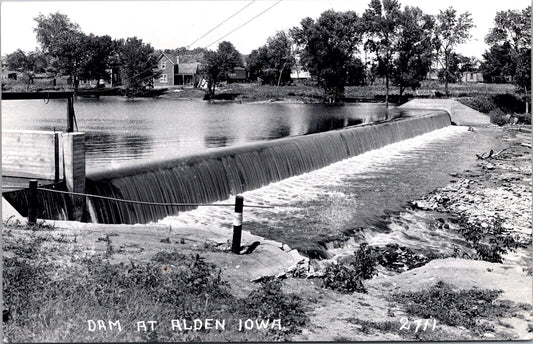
120 131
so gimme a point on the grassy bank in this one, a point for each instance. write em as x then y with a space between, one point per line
54 299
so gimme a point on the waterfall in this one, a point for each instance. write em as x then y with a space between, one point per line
214 176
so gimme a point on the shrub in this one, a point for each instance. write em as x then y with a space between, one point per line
270 302
498 117
483 103
343 278
349 278
490 242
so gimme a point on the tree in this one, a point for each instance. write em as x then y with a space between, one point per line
273 61
382 26
498 65
98 51
17 60
450 30
280 55
218 64
138 64
63 41
328 44
257 62
510 52
414 49
355 72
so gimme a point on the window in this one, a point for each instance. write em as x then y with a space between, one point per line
163 64
163 79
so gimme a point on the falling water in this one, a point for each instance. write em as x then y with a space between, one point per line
210 177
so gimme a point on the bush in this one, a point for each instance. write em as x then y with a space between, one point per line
490 242
483 104
349 278
498 117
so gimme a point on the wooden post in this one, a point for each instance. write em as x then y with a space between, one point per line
70 114
32 202
237 225
56 157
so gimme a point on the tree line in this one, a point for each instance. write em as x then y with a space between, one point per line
400 45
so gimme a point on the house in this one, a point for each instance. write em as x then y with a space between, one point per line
239 74
472 77
10 74
298 73
174 73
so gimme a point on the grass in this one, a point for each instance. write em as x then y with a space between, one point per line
49 301
457 307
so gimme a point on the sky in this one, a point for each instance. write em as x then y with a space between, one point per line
172 24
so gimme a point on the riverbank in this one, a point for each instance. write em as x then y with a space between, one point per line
136 269
307 92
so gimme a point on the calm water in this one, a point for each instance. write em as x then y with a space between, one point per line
120 130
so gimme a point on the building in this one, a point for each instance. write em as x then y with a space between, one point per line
472 77
239 74
174 73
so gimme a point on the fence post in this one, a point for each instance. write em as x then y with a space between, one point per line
32 202
70 114
237 225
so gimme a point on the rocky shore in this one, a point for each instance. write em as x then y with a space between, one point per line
490 206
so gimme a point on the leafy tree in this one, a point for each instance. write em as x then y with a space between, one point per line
451 30
510 53
328 44
219 63
457 65
382 26
273 61
63 41
257 62
280 55
498 65
414 49
513 27
138 64
98 52
355 72
17 60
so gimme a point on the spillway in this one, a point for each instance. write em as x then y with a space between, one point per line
214 176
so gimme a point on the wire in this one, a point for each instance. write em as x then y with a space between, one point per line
237 28
151 203
225 20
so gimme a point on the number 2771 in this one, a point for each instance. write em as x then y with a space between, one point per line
427 324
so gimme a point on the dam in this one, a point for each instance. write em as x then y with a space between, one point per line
258 168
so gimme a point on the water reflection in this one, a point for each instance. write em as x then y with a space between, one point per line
119 130
217 141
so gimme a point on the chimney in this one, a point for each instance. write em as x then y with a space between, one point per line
178 59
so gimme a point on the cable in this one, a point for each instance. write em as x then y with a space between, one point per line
237 28
151 203
225 20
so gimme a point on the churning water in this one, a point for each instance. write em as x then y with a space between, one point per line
353 197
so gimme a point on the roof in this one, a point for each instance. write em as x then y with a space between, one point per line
171 57
187 68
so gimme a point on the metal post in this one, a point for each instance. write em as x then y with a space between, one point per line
70 114
32 202
237 225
